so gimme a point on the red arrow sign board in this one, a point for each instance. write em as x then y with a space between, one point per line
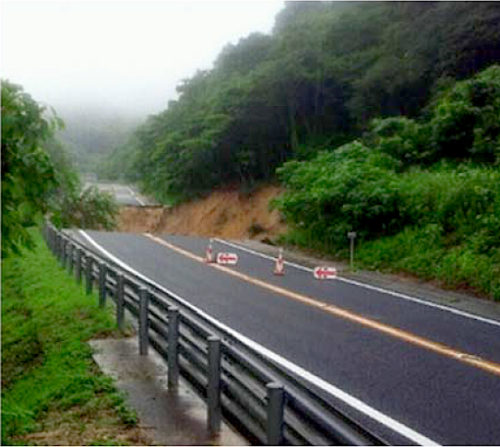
227 258
325 272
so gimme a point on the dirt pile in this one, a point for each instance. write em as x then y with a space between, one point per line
227 214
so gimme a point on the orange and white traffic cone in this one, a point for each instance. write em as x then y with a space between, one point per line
209 257
279 268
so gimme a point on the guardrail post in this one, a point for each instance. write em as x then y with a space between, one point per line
275 407
120 300
63 252
71 248
213 388
173 355
88 274
46 232
58 247
143 321
102 284
52 240
78 265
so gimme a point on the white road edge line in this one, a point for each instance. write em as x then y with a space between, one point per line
368 286
134 195
352 401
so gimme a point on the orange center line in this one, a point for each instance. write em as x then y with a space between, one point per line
332 309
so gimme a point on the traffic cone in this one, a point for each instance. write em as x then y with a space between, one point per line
209 253
279 268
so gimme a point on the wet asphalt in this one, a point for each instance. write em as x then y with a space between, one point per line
123 194
167 416
444 399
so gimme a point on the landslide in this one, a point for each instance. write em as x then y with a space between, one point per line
228 214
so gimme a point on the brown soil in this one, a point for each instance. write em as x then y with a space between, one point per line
227 214
79 426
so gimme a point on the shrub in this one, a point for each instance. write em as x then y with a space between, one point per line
90 209
350 188
402 138
465 119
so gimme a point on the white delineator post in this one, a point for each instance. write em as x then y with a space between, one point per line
209 256
279 268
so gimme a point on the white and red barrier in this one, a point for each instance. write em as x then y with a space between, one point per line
324 272
227 258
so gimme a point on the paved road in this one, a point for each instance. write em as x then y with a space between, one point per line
432 370
124 194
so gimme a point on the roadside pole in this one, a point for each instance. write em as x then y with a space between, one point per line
351 235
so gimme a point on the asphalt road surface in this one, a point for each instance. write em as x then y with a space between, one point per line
124 194
434 371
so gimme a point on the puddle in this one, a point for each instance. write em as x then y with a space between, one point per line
170 417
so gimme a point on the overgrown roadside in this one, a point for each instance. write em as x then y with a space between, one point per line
52 391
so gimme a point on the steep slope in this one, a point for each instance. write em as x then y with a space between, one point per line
224 213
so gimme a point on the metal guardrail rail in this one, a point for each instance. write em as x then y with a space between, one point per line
265 402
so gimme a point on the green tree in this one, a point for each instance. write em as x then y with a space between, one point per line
38 177
28 174
465 118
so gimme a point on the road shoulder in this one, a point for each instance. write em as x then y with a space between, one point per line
401 284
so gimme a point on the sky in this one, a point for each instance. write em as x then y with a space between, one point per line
121 56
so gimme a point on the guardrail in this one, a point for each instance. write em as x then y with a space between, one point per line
267 403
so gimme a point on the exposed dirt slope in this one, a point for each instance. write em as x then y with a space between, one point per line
228 214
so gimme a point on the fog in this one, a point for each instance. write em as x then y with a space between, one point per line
119 57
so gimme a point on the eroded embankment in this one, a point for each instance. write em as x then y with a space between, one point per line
227 214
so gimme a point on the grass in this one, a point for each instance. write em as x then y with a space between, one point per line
425 252
52 391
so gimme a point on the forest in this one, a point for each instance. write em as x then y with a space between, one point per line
383 118
316 82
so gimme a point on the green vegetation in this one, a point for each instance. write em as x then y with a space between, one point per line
90 208
27 172
49 379
315 83
37 176
423 196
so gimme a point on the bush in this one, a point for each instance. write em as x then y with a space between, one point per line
465 200
465 119
402 138
437 223
90 209
350 188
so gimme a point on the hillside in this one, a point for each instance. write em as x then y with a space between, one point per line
224 213
316 82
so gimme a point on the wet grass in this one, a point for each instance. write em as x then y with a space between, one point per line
423 252
52 391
